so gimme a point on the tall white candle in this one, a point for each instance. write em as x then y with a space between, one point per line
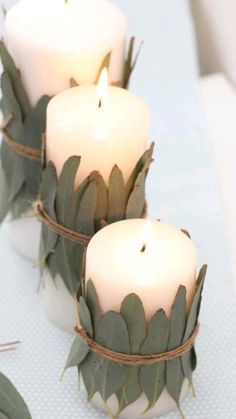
104 125
151 259
53 41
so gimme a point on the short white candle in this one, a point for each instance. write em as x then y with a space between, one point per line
53 41
104 126
151 259
117 266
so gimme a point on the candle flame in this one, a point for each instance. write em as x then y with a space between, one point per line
146 234
102 86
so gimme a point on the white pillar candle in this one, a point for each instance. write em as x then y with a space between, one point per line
115 132
118 267
54 41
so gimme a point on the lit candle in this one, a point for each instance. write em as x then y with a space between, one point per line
104 125
151 259
54 41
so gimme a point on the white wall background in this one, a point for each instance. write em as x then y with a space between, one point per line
216 33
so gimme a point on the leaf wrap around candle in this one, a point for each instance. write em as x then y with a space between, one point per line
85 210
134 336
20 176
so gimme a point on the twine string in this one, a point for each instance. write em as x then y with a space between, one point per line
59 229
137 360
21 149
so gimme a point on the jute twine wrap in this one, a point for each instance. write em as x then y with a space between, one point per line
138 360
23 150
60 230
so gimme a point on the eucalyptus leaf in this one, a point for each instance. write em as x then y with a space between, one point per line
142 164
35 127
4 204
133 313
85 317
87 371
116 196
10 68
68 264
78 353
188 359
3 416
93 305
17 177
113 334
174 372
11 402
102 199
136 203
65 190
86 213
105 64
12 163
130 62
152 377
48 191
131 390
76 201
21 204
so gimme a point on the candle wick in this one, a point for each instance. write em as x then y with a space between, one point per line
144 248
100 103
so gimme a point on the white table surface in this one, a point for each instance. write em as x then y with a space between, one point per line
183 189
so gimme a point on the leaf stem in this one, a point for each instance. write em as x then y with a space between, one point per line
180 411
191 386
109 412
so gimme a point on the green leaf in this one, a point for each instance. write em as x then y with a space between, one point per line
66 189
48 192
69 264
136 201
93 305
78 353
87 371
85 317
35 127
116 196
174 372
4 204
21 204
143 164
133 313
76 201
130 63
11 402
188 359
152 378
131 390
86 213
3 416
10 68
102 199
112 334
12 163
